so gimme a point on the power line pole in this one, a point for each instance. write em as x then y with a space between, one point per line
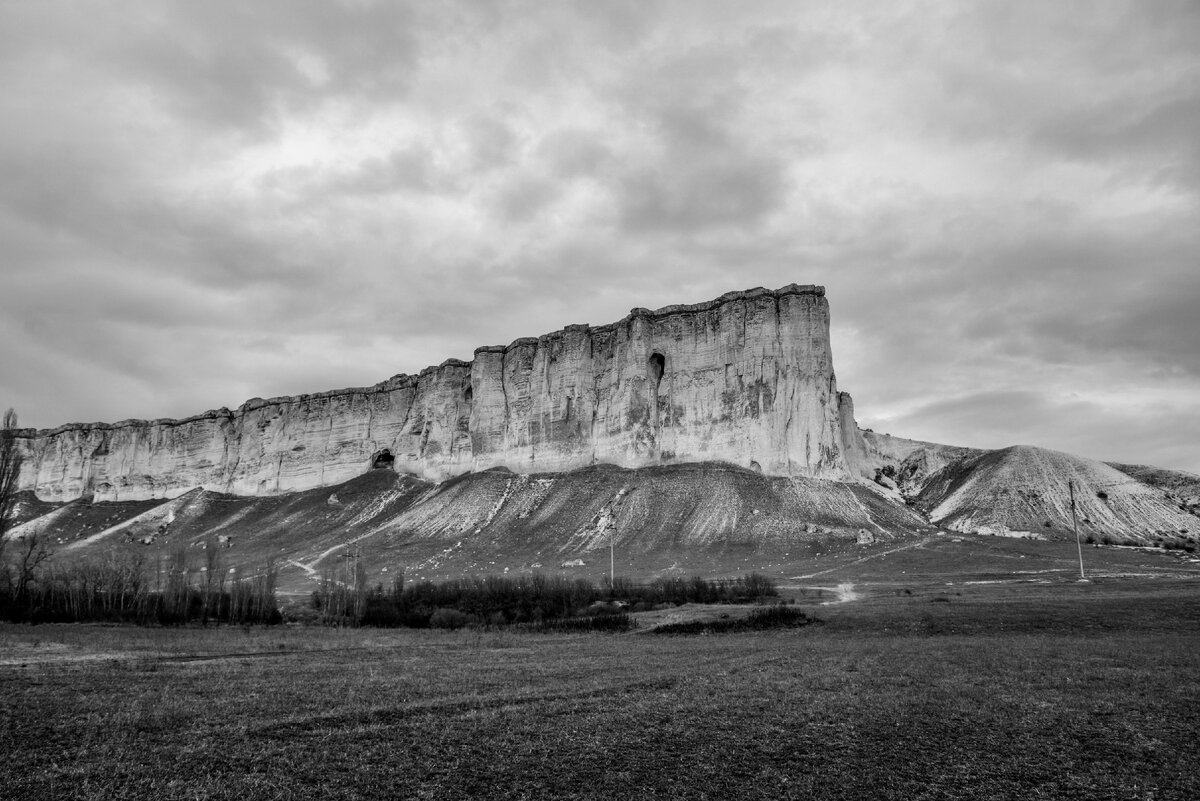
612 560
1075 527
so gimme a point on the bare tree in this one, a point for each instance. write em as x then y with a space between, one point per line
28 554
10 468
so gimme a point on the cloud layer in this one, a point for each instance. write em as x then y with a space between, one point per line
205 202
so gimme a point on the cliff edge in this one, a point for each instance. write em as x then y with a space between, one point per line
746 378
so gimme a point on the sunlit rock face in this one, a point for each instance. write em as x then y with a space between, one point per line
746 378
854 447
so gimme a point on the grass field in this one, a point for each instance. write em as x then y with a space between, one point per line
986 690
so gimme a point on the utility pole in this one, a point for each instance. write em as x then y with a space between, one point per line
612 560
612 513
1075 527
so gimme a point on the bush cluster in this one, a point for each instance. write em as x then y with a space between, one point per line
524 600
1178 545
775 616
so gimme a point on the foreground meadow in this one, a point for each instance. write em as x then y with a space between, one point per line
1032 691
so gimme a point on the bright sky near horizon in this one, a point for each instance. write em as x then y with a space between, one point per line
206 202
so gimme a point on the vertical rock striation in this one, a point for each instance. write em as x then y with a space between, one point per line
746 378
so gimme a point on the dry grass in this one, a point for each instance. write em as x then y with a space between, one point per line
1073 692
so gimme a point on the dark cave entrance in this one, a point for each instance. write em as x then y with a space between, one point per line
383 460
658 365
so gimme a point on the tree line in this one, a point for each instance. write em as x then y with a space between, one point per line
346 599
172 590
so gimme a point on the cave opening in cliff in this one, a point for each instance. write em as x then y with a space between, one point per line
383 460
468 394
658 364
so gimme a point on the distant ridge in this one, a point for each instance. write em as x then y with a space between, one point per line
1023 488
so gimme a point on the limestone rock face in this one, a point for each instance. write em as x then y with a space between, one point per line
854 447
746 378
911 462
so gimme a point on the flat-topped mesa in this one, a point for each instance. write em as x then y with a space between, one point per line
746 378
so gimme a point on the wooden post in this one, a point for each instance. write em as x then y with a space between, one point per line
1075 527
612 560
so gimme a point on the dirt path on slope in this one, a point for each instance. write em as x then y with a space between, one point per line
861 559
844 593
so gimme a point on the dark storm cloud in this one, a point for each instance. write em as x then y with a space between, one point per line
235 67
1157 125
1079 295
1118 85
203 202
241 66
701 168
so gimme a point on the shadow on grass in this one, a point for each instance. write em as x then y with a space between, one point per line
771 617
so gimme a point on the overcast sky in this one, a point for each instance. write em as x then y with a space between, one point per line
204 202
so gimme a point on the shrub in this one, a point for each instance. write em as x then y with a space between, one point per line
597 623
303 615
776 616
770 617
443 618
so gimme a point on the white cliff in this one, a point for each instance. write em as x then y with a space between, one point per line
746 378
